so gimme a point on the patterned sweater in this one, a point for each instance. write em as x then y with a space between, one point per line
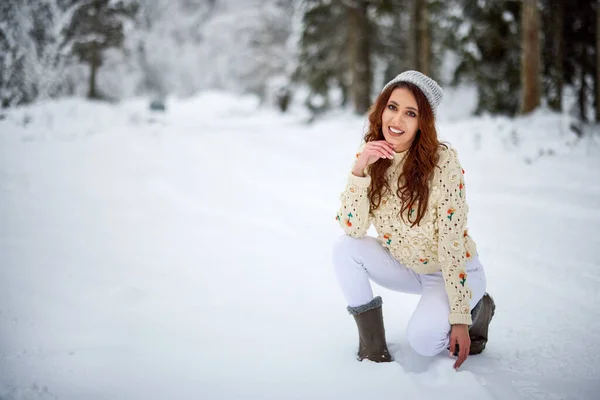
439 242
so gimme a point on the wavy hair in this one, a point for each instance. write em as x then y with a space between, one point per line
420 161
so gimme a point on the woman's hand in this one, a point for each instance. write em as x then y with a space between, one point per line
459 335
372 152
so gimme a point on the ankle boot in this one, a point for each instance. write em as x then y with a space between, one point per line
481 315
371 332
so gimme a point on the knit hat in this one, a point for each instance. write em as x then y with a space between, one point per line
432 91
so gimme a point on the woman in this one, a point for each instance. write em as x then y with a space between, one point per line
411 188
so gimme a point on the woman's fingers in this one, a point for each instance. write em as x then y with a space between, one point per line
377 149
383 144
383 147
463 342
378 152
388 145
383 153
463 353
452 346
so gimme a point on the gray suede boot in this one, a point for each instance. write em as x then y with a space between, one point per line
481 316
371 332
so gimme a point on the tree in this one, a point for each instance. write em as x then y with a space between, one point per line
96 26
341 42
390 40
268 58
16 51
485 37
553 51
530 56
598 61
580 54
322 62
420 37
169 44
34 54
359 54
183 46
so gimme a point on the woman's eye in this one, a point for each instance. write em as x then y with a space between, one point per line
412 114
392 107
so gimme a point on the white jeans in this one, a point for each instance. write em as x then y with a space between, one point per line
359 261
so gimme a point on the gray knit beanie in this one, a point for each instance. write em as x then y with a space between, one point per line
432 91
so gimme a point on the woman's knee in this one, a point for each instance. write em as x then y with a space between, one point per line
427 340
342 244
348 245
476 280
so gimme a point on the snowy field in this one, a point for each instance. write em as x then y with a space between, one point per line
186 255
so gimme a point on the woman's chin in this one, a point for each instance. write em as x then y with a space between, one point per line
396 142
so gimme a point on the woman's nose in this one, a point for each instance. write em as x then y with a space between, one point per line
399 118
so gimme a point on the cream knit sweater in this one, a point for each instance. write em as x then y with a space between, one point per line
440 241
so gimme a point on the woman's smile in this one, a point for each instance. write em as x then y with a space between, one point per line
395 131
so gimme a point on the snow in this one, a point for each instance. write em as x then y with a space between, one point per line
507 16
186 255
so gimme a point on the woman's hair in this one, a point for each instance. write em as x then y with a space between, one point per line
421 159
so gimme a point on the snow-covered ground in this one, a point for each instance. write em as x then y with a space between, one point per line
186 255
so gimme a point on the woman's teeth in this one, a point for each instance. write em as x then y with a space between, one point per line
396 131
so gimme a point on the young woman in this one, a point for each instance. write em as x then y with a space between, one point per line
411 188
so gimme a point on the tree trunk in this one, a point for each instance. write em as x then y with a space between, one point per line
419 37
359 56
424 38
93 70
530 56
557 11
413 35
581 98
598 61
94 49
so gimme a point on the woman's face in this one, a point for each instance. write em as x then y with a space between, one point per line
400 119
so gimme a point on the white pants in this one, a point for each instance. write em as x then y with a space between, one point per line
359 261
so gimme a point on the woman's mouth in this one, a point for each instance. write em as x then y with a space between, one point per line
395 132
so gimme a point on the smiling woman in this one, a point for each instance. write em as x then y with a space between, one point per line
412 188
400 119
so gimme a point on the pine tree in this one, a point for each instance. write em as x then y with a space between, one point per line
17 53
411 36
553 51
32 49
268 57
580 54
359 54
168 44
530 56
95 27
420 37
485 36
341 43
598 61
322 57
391 40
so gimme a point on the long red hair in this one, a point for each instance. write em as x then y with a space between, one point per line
419 164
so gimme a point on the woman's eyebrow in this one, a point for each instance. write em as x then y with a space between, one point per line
408 107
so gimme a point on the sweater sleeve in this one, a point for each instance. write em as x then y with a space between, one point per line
354 213
452 222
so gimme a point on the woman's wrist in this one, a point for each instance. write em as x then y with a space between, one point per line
358 171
